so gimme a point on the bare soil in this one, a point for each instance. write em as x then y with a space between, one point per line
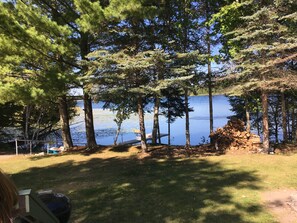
282 204
3 157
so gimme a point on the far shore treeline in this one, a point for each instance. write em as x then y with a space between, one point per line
134 52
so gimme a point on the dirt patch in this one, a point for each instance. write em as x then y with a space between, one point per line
282 204
3 157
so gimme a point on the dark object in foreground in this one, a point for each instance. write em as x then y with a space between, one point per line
57 203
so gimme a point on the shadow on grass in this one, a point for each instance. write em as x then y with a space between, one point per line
130 190
120 148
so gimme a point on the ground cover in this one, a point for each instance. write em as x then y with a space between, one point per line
116 186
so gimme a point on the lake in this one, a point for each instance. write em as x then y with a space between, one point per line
105 127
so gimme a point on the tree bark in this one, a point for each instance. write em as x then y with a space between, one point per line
276 124
159 135
117 134
188 142
284 117
209 77
64 120
247 114
156 120
209 72
88 108
289 120
90 133
293 128
144 148
26 121
168 130
257 123
264 97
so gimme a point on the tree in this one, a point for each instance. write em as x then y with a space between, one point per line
258 42
211 38
173 105
124 74
37 58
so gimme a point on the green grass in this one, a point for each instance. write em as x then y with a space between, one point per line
111 187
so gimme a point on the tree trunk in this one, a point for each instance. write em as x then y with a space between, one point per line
156 120
64 121
159 135
264 97
276 126
295 131
117 134
188 142
209 72
35 134
26 121
141 125
209 77
257 123
293 128
289 120
247 114
90 133
284 117
88 108
168 130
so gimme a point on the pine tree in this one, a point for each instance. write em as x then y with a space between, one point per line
37 59
179 36
262 45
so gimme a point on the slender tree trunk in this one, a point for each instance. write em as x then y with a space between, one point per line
168 122
257 123
188 142
293 128
289 120
209 77
159 135
64 120
264 97
144 148
247 114
117 134
284 117
276 125
295 133
168 130
156 120
26 121
88 108
209 72
90 133
35 134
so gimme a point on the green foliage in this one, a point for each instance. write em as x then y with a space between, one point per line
34 47
8 114
263 45
172 103
250 102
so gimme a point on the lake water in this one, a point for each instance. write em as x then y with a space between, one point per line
105 127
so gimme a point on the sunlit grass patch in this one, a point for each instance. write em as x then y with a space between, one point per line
113 186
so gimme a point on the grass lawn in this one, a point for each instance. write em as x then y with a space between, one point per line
117 187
